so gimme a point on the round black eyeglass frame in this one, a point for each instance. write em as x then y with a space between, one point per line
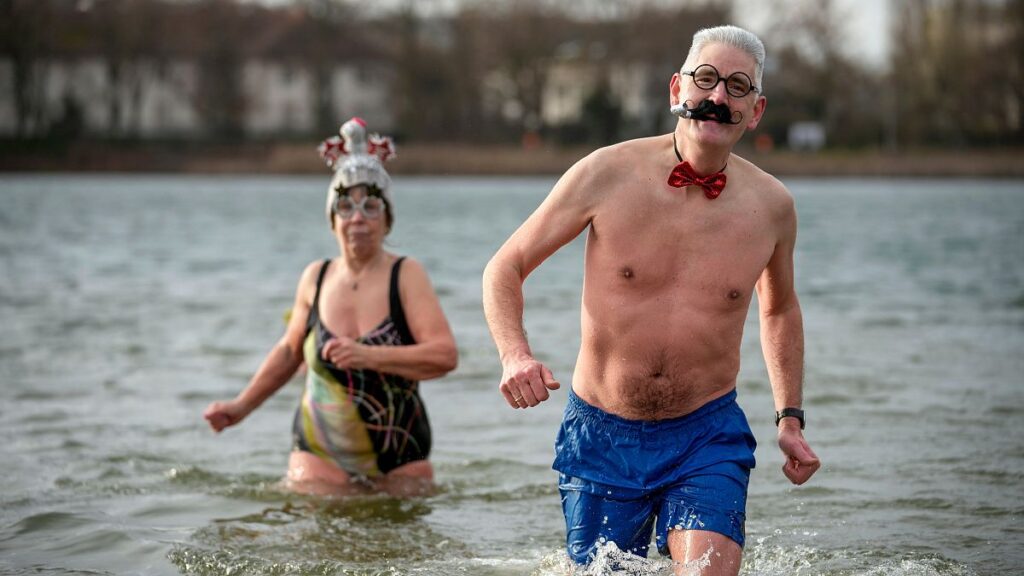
718 78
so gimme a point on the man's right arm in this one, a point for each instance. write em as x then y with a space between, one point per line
561 217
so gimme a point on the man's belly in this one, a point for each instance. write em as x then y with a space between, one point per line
652 378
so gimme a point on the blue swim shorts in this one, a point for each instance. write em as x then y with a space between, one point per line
620 478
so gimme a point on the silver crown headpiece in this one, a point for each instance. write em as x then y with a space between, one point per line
357 158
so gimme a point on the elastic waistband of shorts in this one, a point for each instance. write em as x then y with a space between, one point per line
582 409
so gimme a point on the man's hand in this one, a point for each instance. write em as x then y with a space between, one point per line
801 462
525 382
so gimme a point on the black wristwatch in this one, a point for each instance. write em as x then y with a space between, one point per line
787 412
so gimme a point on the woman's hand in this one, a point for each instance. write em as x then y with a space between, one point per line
347 354
221 415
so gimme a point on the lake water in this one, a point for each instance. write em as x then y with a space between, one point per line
128 303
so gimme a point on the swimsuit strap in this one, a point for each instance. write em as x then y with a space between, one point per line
395 302
314 309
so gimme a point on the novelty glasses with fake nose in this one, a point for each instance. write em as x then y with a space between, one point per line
371 206
737 84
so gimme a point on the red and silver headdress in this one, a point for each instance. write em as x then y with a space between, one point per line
357 158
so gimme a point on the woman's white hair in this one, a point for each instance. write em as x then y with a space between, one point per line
732 36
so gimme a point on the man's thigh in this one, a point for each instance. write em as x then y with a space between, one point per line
712 502
703 553
593 517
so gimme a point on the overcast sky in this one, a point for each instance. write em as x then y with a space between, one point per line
867 33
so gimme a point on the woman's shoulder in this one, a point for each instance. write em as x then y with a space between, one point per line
310 275
409 265
413 273
312 270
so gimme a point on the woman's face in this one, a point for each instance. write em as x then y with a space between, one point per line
359 219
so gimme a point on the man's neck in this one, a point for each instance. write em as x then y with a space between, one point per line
704 159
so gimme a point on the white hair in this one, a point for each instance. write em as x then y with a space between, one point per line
737 38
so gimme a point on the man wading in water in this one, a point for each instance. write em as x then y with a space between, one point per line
680 234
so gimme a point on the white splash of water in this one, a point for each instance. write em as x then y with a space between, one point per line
695 567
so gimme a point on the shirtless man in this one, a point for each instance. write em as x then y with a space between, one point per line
652 437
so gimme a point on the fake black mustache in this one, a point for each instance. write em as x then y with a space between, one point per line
708 110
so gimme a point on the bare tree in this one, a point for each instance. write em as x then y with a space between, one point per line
946 56
814 79
220 99
23 40
1013 51
955 75
332 25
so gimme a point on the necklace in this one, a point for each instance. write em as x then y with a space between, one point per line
366 270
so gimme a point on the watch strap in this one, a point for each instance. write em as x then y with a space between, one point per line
790 413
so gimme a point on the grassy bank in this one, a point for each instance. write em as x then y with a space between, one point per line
442 159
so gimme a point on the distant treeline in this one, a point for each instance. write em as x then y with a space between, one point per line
500 72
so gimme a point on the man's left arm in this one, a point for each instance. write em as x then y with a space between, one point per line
782 342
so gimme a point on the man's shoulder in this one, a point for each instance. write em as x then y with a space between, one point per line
756 178
625 152
599 176
765 189
603 168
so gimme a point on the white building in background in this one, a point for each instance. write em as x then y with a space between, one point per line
363 90
806 136
151 99
163 99
280 98
575 77
82 81
568 86
167 91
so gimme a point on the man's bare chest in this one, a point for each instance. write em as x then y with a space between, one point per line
671 245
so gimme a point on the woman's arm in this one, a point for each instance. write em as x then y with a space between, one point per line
277 367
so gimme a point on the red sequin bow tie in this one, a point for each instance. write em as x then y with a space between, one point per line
684 175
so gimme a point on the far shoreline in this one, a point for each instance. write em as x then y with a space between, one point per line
438 159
